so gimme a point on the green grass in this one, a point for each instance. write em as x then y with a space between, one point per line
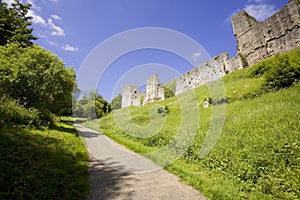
43 164
257 153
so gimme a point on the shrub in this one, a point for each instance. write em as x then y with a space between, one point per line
280 71
11 114
282 74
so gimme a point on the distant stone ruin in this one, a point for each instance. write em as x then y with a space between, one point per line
154 89
256 41
131 96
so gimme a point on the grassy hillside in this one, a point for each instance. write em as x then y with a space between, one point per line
47 163
257 153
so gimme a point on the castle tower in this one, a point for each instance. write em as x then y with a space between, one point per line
127 94
154 89
249 35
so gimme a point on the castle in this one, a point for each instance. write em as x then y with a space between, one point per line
131 96
256 41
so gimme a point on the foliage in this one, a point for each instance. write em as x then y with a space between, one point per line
280 71
283 74
169 89
163 111
244 60
37 79
257 155
141 100
43 164
116 103
11 114
14 23
91 105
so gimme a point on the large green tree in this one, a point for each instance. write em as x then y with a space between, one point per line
91 105
116 103
36 78
15 24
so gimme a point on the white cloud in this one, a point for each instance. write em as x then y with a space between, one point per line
36 18
256 8
56 30
33 5
196 55
53 0
260 11
56 17
68 47
53 43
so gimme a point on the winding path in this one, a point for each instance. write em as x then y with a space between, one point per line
118 173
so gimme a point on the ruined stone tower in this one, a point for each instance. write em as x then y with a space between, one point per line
131 96
277 34
154 89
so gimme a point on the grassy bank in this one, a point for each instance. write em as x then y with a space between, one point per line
257 153
47 163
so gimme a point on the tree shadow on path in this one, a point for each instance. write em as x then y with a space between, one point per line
106 182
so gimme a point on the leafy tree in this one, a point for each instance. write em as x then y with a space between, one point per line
91 105
116 103
14 24
36 78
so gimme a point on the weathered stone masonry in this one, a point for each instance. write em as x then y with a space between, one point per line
255 41
131 96
154 89
277 34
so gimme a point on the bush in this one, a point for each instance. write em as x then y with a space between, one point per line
282 74
37 78
278 72
11 114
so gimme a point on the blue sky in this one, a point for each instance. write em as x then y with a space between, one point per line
73 28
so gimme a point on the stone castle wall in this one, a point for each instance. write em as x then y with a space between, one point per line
256 41
209 71
277 34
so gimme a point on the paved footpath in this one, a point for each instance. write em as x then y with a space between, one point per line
118 173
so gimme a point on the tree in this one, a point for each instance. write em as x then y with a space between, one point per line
91 105
116 103
14 23
36 78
